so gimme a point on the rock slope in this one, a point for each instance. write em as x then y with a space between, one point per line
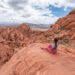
32 60
64 28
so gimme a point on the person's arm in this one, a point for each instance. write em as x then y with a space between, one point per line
54 47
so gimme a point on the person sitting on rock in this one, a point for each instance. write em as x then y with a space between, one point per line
52 48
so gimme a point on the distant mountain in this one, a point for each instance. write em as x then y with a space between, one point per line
5 24
37 24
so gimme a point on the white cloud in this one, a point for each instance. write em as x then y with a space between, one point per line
26 11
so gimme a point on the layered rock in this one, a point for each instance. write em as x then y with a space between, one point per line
65 26
17 37
5 54
31 60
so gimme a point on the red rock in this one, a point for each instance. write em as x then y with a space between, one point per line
72 12
28 60
73 37
5 53
34 61
23 27
64 26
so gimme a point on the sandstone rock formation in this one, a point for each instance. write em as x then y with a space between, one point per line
31 60
64 28
12 38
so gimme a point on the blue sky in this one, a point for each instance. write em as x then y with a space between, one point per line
60 11
34 11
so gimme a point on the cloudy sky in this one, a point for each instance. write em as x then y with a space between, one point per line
34 11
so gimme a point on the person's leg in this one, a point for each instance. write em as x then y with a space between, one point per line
50 46
51 51
45 48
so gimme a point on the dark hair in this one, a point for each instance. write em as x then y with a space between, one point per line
55 39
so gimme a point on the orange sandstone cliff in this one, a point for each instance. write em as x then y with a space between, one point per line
64 28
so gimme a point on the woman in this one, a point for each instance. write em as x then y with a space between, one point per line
52 48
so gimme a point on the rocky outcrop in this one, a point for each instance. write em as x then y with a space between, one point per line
64 28
5 53
31 60
12 38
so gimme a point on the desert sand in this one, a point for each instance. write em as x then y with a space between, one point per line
20 52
